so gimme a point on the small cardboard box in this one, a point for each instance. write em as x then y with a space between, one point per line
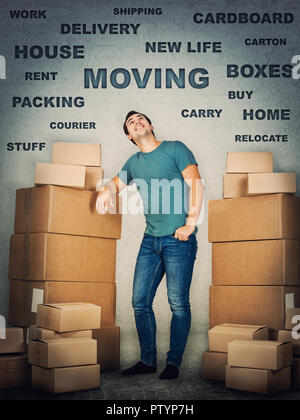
273 183
286 336
70 379
93 175
108 347
269 355
68 317
64 175
14 371
14 341
296 373
274 216
48 256
234 185
62 352
258 380
220 336
290 314
214 366
85 154
249 162
37 333
261 263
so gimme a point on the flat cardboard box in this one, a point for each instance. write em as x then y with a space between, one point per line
61 352
296 373
261 263
14 371
55 174
14 341
220 336
93 175
273 183
108 347
23 291
51 209
286 336
70 379
214 366
53 257
37 333
290 314
234 185
259 354
68 317
249 162
274 216
254 305
260 381
85 154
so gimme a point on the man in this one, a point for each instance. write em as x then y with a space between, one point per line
169 245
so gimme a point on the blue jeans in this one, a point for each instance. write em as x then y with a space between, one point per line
157 256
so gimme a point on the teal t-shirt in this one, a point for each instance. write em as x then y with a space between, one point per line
158 178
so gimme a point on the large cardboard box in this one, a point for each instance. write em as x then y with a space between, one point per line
23 295
264 263
249 162
274 216
296 373
48 256
259 354
108 347
61 352
86 154
64 175
258 380
51 209
292 314
214 366
68 317
13 342
220 336
93 175
254 305
14 371
234 185
281 182
286 336
70 379
37 333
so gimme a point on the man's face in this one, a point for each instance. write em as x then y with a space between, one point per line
138 126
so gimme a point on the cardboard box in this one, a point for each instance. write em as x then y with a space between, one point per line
85 154
258 354
61 380
249 162
290 314
273 183
254 305
93 175
265 263
273 335
234 185
286 336
254 218
48 256
68 317
221 335
61 352
108 347
51 209
296 373
14 371
14 341
22 303
37 333
64 175
214 366
258 380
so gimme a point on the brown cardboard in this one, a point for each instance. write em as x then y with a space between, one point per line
273 183
265 263
37 333
108 347
68 317
51 209
14 371
273 335
61 380
61 352
286 336
14 341
214 366
64 175
53 257
259 354
296 373
254 305
258 380
234 185
93 175
274 216
290 314
21 292
249 162
221 335
86 154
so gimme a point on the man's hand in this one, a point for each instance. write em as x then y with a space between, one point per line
184 232
104 200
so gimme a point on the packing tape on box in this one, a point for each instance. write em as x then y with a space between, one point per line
37 299
26 245
289 301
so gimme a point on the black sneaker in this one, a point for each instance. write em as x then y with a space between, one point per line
170 372
139 368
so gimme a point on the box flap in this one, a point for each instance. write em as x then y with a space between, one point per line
68 340
257 343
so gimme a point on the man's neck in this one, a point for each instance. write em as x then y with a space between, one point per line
147 143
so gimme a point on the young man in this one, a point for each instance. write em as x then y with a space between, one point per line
169 245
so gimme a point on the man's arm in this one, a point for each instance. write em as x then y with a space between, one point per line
106 194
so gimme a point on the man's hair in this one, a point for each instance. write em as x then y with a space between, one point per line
125 129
